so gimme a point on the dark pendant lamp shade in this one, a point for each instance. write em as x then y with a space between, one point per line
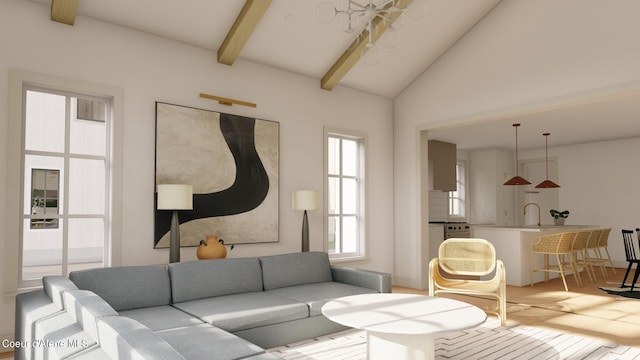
547 184
517 180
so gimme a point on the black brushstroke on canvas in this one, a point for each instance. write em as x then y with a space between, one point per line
247 192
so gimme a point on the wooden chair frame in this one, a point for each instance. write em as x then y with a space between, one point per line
560 245
631 255
469 257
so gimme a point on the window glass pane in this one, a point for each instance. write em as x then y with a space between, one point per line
350 196
349 234
44 126
45 185
32 162
333 156
86 243
334 235
349 157
41 251
87 137
334 195
457 198
86 186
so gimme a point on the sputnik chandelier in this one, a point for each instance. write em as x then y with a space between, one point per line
379 19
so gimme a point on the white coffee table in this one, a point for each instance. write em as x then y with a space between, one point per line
402 326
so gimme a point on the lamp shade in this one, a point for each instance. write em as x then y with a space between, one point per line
304 200
175 197
547 184
517 180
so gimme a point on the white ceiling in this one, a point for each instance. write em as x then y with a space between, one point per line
290 37
610 119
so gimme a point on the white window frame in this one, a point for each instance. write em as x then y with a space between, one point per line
361 251
19 81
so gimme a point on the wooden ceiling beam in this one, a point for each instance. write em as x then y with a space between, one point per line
359 46
241 30
64 11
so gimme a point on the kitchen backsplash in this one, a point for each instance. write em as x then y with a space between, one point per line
438 206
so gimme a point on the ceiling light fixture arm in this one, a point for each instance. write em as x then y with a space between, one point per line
370 11
547 184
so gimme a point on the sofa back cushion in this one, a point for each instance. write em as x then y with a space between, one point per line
200 279
127 287
295 269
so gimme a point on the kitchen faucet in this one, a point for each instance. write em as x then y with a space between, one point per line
538 206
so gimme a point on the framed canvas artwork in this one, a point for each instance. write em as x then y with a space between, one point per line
231 161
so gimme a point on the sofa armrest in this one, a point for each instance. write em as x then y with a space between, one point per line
377 281
30 307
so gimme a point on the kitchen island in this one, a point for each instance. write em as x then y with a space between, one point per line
513 247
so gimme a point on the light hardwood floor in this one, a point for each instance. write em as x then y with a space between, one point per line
585 311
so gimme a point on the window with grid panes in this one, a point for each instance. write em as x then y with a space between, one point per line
345 194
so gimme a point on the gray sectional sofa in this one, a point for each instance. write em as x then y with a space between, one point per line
205 309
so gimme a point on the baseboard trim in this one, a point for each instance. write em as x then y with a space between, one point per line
6 352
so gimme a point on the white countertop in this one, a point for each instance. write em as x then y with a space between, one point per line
534 228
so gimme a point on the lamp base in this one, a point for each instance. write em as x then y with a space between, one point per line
174 239
305 232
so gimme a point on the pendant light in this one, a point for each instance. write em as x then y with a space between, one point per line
517 180
547 184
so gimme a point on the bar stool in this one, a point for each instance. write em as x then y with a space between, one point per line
603 243
560 245
579 253
592 247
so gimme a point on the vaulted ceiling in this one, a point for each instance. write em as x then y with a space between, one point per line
288 34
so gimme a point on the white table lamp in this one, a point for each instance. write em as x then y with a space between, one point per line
304 200
175 197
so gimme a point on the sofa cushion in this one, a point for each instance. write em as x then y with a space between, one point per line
317 294
55 286
295 269
205 341
127 287
126 339
192 280
161 317
243 311
85 308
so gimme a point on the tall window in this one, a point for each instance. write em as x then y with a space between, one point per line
457 199
66 183
345 221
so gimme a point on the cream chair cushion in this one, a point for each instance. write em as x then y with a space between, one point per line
469 258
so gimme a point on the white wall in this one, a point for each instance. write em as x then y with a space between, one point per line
523 55
490 201
151 69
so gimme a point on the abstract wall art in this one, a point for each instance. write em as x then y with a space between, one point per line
233 164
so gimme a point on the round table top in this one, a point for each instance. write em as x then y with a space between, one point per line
406 314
